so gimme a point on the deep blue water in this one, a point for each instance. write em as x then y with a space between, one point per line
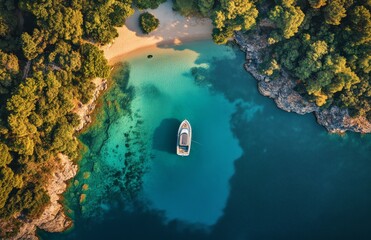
255 171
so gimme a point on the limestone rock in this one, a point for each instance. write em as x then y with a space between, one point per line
53 219
337 120
281 89
84 110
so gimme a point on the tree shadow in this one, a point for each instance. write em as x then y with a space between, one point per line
165 135
177 27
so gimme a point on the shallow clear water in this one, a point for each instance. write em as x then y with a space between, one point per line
255 172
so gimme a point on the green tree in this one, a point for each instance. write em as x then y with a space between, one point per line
186 7
205 6
221 36
234 15
317 3
219 20
9 69
288 19
148 22
65 24
33 45
360 19
64 57
120 12
145 4
8 22
5 157
6 184
335 12
94 64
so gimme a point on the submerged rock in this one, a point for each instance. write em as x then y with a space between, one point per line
281 89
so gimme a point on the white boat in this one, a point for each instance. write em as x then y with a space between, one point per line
183 146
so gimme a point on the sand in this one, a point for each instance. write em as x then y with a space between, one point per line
173 29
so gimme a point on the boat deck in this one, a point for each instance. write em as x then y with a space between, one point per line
184 139
183 151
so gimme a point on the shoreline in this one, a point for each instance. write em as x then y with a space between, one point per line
174 29
281 90
121 56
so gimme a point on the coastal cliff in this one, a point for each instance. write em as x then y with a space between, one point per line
53 218
281 89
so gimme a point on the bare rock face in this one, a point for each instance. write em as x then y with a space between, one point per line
281 89
53 218
337 120
84 110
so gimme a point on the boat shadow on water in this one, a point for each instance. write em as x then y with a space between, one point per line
165 135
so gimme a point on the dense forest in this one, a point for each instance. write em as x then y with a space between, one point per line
49 55
49 52
323 44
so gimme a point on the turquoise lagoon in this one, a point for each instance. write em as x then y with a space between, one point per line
255 172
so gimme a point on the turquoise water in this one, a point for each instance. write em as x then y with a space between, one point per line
255 172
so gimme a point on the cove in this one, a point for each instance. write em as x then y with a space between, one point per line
255 171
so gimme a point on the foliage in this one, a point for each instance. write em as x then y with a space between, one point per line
317 3
186 7
8 23
324 44
288 18
101 18
93 64
9 69
46 67
145 4
205 6
329 52
148 22
227 15
233 16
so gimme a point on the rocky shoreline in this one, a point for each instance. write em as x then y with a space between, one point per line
334 119
53 219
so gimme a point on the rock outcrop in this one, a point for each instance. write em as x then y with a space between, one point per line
281 89
53 219
84 110
337 120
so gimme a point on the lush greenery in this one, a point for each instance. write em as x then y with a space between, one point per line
186 7
48 57
145 4
227 15
148 22
326 47
323 44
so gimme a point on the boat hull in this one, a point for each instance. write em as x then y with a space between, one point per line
184 139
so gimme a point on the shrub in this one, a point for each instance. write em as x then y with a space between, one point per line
148 22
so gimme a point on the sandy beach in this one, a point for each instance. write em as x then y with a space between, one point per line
174 29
